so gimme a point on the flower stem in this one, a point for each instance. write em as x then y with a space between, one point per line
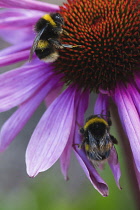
129 160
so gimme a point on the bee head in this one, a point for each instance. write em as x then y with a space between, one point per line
58 19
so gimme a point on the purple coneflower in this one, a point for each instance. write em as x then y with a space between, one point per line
107 61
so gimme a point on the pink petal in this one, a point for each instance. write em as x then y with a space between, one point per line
18 85
53 94
29 4
88 168
130 120
13 13
17 35
51 134
115 166
135 94
16 122
16 48
18 22
14 58
92 175
101 105
65 157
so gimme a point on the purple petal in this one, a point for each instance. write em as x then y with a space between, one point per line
115 166
18 22
89 169
13 13
17 35
51 134
137 175
14 58
16 122
92 175
18 85
29 4
65 157
53 94
135 94
16 48
130 120
82 107
101 105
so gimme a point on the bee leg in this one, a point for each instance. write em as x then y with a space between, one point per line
82 130
114 140
80 146
109 119
109 122
58 30
107 116
55 43
70 46
65 32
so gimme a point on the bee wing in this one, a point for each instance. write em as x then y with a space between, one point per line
35 43
93 153
92 140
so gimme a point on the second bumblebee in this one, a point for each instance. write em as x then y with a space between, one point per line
97 139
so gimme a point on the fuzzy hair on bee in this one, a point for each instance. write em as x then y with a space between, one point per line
97 140
48 32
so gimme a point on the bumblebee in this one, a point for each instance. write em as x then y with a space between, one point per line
97 140
47 41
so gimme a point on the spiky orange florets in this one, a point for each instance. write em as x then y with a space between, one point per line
107 33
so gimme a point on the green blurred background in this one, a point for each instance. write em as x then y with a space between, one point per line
49 191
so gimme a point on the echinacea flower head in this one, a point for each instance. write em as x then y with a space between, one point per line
105 58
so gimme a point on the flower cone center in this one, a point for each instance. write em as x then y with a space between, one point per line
106 36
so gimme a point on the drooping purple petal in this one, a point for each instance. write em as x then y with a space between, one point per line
18 85
88 168
65 157
130 120
115 166
30 5
92 175
101 105
16 122
51 134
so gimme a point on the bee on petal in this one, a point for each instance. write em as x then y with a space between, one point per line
97 140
